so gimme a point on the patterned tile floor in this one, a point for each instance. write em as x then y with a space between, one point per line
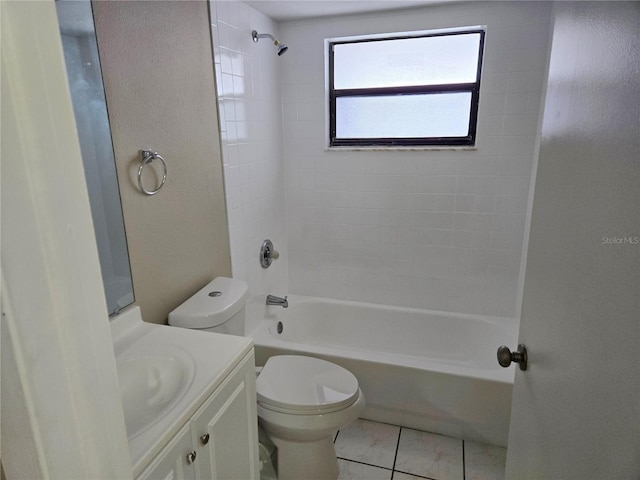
377 451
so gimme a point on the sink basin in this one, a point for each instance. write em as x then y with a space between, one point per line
150 385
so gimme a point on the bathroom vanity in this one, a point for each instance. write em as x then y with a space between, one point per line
189 401
216 441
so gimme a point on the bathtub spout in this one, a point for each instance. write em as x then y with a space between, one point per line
278 301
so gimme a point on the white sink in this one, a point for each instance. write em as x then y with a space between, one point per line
165 373
150 384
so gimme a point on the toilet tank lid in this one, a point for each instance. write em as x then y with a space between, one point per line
211 306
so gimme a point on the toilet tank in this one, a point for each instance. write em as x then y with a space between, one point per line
218 307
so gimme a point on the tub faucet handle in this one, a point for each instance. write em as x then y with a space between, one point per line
268 254
273 254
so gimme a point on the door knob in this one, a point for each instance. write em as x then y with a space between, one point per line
506 356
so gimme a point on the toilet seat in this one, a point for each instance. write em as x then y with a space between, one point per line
305 385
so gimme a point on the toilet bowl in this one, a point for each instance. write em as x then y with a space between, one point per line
301 401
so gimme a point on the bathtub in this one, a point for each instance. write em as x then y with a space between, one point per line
422 369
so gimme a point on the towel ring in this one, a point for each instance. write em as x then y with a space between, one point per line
146 157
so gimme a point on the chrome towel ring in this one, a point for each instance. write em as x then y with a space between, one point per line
146 157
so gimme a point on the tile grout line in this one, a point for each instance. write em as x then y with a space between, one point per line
414 475
464 467
395 457
365 463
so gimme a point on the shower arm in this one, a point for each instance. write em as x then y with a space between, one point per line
281 47
257 36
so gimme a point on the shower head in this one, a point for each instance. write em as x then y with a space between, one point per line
280 46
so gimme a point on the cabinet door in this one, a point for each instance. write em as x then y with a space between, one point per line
229 418
173 462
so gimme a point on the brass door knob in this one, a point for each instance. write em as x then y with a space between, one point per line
506 356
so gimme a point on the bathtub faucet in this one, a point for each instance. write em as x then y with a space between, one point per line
281 302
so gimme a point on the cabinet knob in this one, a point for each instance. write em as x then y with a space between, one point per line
191 457
204 438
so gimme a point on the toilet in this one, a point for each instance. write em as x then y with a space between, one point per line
301 401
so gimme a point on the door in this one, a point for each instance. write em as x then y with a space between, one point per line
61 414
576 410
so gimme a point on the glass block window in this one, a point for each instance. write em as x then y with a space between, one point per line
418 89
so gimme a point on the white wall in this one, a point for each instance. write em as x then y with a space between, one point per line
247 76
427 229
178 239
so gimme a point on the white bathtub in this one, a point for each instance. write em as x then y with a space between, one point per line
422 369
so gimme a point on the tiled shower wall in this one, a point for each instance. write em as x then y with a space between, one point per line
436 229
251 130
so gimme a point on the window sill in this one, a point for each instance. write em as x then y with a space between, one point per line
381 148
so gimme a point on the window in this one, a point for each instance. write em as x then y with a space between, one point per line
403 90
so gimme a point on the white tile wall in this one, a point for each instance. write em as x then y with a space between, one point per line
427 229
251 130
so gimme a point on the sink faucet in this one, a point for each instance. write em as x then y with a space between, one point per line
281 302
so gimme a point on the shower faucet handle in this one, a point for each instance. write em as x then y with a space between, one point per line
273 254
268 254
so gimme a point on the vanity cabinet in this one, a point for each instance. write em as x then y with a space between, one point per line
172 462
220 441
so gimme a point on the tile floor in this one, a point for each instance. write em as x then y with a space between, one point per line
378 451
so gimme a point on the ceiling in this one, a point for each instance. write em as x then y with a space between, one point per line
284 10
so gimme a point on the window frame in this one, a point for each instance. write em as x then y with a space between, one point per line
473 88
